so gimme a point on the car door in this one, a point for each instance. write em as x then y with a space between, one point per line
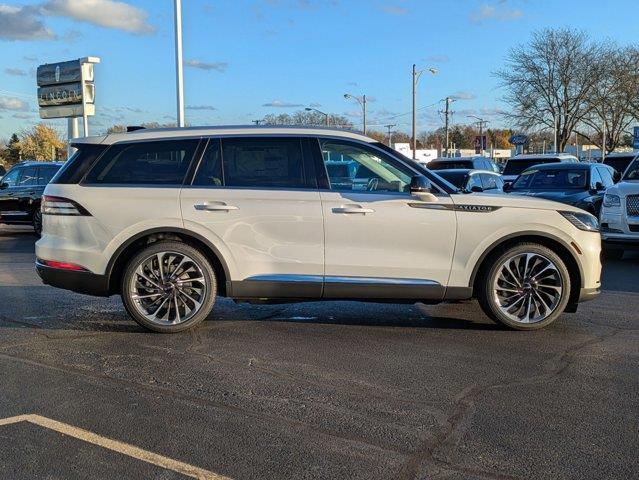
8 198
382 242
256 199
25 192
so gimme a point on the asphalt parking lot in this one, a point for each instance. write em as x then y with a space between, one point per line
335 390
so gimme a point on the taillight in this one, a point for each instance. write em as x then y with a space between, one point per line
62 265
62 206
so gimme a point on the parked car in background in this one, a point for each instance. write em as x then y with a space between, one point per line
620 161
581 185
469 181
516 165
2 171
170 219
467 163
620 214
21 192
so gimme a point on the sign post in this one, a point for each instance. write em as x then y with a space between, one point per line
519 141
635 140
67 90
481 143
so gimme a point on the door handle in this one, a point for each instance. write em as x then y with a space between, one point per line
353 209
214 207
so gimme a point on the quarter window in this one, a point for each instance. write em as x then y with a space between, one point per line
145 163
354 167
45 174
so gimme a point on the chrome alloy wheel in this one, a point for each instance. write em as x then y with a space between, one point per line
527 288
168 288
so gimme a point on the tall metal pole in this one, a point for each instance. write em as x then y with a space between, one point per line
72 132
390 133
556 127
179 65
446 113
414 140
364 107
603 142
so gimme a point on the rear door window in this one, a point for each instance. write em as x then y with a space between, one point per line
263 162
162 162
45 174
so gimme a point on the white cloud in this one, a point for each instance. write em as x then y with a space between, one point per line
395 10
282 104
12 103
16 72
218 66
103 13
23 116
462 95
22 23
200 107
437 59
499 12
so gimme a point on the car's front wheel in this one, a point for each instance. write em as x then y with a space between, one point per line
525 288
169 287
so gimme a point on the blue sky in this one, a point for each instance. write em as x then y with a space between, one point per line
248 58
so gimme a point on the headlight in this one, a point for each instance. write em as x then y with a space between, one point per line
583 221
611 200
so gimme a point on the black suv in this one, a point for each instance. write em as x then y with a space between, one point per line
467 163
21 191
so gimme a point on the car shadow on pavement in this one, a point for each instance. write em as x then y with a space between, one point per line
621 275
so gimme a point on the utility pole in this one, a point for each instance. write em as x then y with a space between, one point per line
179 65
416 75
603 142
556 127
390 133
362 101
447 113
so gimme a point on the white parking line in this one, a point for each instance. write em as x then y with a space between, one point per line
116 446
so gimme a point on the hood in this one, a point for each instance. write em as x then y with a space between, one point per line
510 200
563 196
624 188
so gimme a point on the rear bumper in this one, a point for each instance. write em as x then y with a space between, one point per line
80 282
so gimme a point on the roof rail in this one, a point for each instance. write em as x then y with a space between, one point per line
133 128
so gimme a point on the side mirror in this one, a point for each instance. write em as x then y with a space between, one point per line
4 185
616 177
476 189
421 188
507 187
599 187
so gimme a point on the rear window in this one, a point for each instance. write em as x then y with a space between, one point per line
560 179
515 167
144 163
449 165
78 165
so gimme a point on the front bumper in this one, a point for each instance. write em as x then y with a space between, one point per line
77 281
620 241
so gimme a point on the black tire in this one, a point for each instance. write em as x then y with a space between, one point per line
168 250
37 222
489 300
612 253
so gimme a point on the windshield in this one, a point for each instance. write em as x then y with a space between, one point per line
618 163
555 179
515 167
456 178
633 171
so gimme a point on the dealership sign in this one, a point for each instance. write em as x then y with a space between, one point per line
67 89
518 140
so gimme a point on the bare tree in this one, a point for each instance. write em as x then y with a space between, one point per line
614 99
306 118
549 81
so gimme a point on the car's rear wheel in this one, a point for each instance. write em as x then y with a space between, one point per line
37 222
169 287
525 288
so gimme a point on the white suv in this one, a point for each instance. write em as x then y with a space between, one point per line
172 218
620 214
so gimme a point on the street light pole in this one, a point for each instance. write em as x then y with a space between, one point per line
179 65
326 115
416 76
362 102
390 133
446 125
481 122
